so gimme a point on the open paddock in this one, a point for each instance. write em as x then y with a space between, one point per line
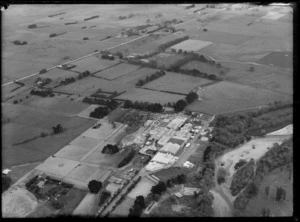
191 45
122 210
228 97
202 67
118 136
43 147
133 77
281 59
86 112
86 142
167 59
144 95
93 64
55 104
143 188
82 173
76 36
58 166
179 83
97 157
90 85
104 131
218 37
72 152
18 203
117 71
13 133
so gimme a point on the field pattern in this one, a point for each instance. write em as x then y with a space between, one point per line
117 71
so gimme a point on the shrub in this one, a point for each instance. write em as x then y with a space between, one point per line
42 71
33 26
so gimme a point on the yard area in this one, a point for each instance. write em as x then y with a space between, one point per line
178 83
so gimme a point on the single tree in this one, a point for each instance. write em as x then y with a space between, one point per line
267 189
94 186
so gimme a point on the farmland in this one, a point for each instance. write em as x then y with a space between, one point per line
150 96
242 60
177 83
117 71
191 45
226 97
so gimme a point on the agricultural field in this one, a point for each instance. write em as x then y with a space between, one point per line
122 210
132 78
227 97
106 160
39 148
202 67
147 44
191 45
177 83
89 85
281 59
117 71
150 96
143 188
167 59
93 64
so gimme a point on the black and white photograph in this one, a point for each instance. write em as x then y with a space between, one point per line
147 110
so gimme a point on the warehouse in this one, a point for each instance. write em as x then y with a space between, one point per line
170 148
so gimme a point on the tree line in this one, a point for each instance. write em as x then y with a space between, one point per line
145 106
150 78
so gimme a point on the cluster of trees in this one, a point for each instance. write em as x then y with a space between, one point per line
67 81
221 178
6 182
52 35
18 42
110 149
57 129
241 177
104 196
166 45
159 188
278 156
150 78
42 71
127 159
240 164
137 209
71 23
112 104
61 13
83 74
107 56
145 106
182 103
92 17
95 186
42 93
44 81
32 26
233 130
121 17
180 179
100 112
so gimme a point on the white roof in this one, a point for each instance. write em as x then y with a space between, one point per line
164 158
170 148
153 166
6 171
204 138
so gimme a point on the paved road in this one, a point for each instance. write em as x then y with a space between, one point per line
86 56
